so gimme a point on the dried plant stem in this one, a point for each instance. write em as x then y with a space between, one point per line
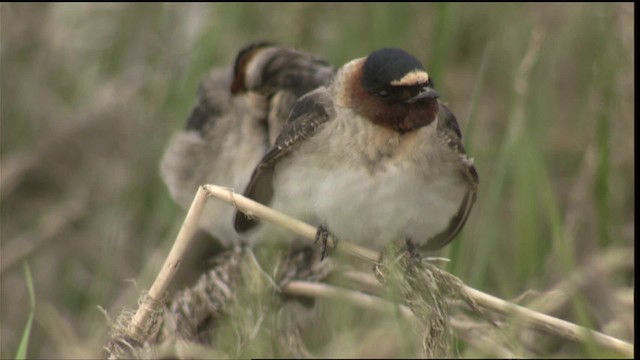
318 290
296 226
530 317
139 325
140 321
536 319
548 323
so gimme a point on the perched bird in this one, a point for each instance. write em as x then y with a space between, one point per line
372 158
239 112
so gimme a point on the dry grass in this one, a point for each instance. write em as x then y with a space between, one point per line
90 94
195 315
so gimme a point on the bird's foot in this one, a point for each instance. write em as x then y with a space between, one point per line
327 239
408 254
412 252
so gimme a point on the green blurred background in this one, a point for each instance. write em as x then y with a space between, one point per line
91 93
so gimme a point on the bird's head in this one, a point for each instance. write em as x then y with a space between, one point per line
391 88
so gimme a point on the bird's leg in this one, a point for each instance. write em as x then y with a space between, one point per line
412 250
323 235
409 251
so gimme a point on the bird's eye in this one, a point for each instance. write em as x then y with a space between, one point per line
383 93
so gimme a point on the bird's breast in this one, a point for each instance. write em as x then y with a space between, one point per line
369 185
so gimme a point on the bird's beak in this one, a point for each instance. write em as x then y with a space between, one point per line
425 93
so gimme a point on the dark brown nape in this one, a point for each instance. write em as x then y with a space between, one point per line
359 99
240 66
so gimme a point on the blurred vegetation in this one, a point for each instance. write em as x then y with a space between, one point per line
91 93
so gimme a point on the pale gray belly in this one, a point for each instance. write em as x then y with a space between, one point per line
369 209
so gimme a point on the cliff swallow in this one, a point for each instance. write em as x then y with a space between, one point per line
374 158
238 114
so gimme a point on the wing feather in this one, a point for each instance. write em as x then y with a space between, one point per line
309 113
449 129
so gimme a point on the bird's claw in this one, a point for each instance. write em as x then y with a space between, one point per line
409 252
412 250
323 235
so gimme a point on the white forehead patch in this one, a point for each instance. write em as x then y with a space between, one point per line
413 78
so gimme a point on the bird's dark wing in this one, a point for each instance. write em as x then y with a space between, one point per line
307 116
448 127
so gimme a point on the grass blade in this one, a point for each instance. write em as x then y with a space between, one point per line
24 341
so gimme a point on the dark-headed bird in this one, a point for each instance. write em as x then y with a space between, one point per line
374 157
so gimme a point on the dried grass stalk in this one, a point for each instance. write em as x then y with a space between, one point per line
529 317
133 331
422 286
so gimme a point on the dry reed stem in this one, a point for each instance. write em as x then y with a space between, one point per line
325 291
548 323
535 319
318 290
139 327
296 226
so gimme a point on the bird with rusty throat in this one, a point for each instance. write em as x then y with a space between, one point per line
374 157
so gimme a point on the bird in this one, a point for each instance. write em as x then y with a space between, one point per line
238 114
375 158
